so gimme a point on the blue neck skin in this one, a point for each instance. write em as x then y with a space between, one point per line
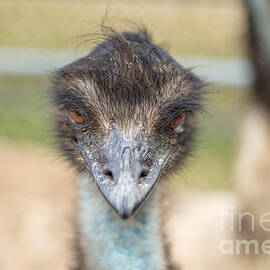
110 242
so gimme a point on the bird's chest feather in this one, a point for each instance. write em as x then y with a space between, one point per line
113 243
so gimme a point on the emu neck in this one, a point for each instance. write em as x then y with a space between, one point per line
110 242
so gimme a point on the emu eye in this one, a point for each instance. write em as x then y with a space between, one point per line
76 117
177 125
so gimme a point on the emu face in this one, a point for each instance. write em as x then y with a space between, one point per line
125 114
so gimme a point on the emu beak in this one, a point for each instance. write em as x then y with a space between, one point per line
124 190
125 181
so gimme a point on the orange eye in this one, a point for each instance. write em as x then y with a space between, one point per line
177 123
76 117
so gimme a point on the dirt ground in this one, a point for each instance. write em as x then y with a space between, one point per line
37 202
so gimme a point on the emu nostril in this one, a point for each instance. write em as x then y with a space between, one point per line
144 173
74 139
108 173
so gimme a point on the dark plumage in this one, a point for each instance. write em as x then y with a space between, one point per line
137 110
259 43
126 76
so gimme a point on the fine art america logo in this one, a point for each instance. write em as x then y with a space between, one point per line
236 222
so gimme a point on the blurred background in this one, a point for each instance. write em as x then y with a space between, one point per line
37 190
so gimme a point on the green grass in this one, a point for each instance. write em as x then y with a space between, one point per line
24 110
186 28
25 118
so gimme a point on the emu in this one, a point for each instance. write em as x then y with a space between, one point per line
126 116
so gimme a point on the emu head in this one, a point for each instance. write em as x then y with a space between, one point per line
126 115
